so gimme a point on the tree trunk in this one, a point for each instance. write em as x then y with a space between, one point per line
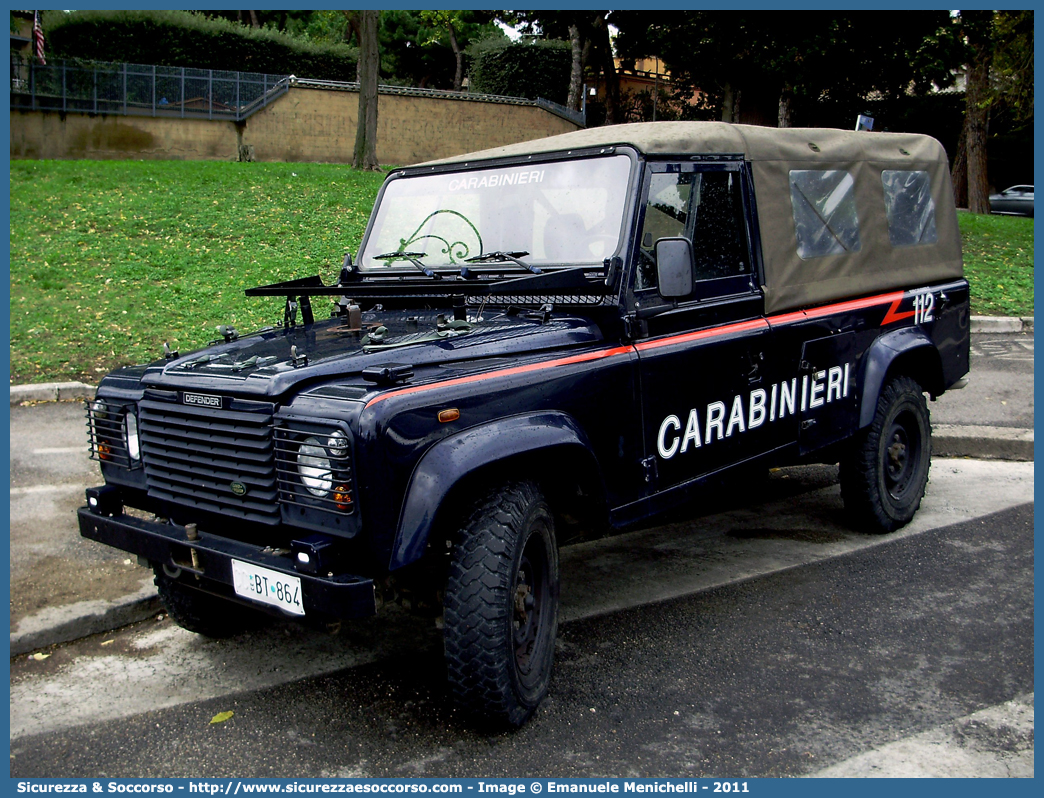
365 156
576 74
458 77
977 119
253 19
959 174
786 98
612 80
730 104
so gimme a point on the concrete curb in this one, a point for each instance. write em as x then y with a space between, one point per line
55 625
51 392
1001 324
984 443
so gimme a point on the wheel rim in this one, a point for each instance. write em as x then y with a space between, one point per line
530 604
902 455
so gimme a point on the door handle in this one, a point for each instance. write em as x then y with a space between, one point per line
754 374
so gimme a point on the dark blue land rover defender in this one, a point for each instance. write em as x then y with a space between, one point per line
564 335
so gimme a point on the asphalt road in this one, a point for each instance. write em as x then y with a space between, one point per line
1001 390
780 675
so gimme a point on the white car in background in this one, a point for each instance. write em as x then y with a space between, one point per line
1015 200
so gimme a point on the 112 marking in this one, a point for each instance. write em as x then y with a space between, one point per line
923 304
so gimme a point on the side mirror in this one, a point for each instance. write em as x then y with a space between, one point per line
674 262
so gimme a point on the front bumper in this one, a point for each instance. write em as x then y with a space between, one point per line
338 596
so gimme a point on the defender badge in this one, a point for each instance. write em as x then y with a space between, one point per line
238 488
201 400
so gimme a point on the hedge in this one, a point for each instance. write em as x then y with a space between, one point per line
530 69
184 39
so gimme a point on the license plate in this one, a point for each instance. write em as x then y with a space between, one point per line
269 587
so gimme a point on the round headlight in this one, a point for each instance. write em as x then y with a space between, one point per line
133 443
313 465
338 444
99 408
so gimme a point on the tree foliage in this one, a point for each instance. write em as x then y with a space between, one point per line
428 47
181 38
523 69
998 59
587 31
759 66
1013 63
445 25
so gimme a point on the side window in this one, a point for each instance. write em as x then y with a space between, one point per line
909 208
666 215
706 208
824 212
719 237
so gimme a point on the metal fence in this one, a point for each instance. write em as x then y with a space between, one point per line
147 90
578 117
140 89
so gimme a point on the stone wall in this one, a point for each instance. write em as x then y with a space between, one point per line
304 124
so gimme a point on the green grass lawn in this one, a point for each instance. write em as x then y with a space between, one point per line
109 259
998 262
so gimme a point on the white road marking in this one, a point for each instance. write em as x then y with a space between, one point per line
30 489
965 748
598 577
63 450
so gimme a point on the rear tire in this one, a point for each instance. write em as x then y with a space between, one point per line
501 607
203 613
885 469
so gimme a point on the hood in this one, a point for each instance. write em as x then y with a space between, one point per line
261 364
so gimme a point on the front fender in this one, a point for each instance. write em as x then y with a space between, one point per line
449 461
879 359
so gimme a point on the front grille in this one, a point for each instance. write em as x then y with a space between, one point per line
106 433
220 461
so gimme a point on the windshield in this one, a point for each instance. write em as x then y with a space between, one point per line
556 213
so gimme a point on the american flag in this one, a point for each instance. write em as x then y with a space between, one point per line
38 39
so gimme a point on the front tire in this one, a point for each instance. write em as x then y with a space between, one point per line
501 606
201 612
885 470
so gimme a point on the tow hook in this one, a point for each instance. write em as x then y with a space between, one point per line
192 533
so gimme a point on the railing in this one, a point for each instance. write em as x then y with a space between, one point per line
147 90
577 117
143 90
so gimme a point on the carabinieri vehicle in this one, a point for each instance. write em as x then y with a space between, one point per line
534 342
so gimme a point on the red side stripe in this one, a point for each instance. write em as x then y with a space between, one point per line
855 304
563 361
710 332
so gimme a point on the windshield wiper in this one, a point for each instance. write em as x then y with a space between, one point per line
501 257
412 258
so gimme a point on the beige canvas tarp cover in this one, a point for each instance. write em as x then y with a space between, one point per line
790 281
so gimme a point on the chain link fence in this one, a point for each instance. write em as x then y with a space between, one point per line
147 90
141 89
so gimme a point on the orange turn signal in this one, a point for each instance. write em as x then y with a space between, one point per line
342 498
449 415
